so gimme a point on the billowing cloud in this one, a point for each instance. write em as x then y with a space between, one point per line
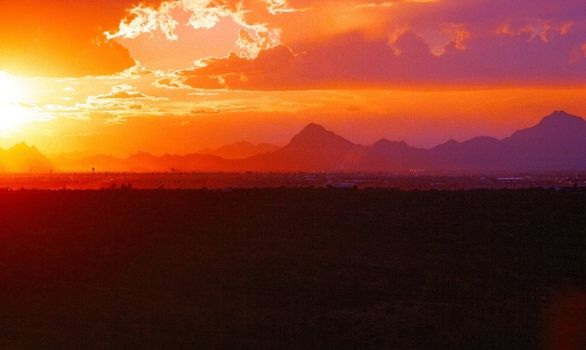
86 37
295 44
354 61
204 15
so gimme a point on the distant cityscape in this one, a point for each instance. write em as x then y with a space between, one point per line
226 181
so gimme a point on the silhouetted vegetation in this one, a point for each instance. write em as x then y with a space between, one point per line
285 268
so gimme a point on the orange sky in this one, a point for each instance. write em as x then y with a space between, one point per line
121 76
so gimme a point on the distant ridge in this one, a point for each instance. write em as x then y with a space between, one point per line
556 143
240 150
22 158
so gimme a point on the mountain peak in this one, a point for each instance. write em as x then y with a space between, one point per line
314 131
24 158
560 113
561 117
313 127
22 147
315 136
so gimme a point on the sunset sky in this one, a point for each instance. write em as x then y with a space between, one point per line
120 76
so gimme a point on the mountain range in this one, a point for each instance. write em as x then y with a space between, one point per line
22 158
556 143
240 150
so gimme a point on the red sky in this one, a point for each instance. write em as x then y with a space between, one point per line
118 76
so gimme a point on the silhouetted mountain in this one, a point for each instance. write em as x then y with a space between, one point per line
477 154
387 155
313 149
146 162
22 158
314 137
240 150
558 142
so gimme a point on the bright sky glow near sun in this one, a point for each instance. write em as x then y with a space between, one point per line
12 93
176 76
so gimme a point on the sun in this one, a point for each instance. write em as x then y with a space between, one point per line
12 93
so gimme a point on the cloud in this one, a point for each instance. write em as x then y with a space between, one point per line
122 92
204 15
136 72
122 100
390 3
170 83
280 6
353 60
295 44
536 29
145 19
480 41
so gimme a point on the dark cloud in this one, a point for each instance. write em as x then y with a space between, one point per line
353 60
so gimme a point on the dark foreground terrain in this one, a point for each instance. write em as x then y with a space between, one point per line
292 269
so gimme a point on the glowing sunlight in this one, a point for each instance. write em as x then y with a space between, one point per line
12 114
